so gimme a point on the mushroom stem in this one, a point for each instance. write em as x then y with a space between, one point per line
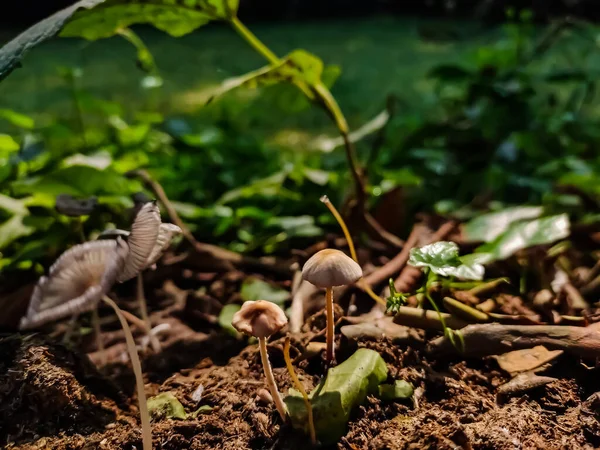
141 298
98 336
330 334
264 356
139 376
144 327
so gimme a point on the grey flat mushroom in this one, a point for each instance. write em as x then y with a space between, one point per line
143 237
166 233
76 282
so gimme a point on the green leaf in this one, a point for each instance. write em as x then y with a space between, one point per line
174 17
488 227
297 67
17 119
79 181
13 229
167 406
442 259
520 235
255 289
226 317
8 144
12 53
345 387
399 390
13 206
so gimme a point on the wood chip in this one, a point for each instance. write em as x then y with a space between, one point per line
524 382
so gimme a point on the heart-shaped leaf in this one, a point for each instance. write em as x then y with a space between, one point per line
442 259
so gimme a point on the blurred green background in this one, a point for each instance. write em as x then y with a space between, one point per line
465 117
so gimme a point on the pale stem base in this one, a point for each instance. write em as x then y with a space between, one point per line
264 356
139 376
330 332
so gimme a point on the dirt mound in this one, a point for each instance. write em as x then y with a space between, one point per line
45 390
52 399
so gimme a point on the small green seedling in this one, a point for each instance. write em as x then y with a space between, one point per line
440 262
345 387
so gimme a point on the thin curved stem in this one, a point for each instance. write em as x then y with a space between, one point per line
340 220
292 372
264 356
139 376
132 318
330 334
342 225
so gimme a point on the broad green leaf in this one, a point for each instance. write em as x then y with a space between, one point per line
299 66
345 387
255 289
12 53
399 390
442 259
13 206
8 144
17 119
174 17
166 405
520 235
487 227
13 229
226 317
79 181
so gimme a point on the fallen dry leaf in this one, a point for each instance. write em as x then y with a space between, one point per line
527 359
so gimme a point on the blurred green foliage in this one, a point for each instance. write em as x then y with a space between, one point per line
512 124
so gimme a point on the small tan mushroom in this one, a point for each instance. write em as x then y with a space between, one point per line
326 269
76 282
262 319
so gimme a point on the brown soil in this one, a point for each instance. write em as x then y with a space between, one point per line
50 398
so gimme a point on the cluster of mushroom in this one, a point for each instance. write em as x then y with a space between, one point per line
326 269
82 275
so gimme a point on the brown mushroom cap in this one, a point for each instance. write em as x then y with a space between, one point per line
329 267
259 318
76 281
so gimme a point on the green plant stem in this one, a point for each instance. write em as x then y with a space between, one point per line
298 384
251 39
139 376
325 98
329 335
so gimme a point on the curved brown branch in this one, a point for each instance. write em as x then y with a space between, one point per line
491 339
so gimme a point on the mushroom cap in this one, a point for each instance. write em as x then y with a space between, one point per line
166 233
141 241
329 267
76 281
259 318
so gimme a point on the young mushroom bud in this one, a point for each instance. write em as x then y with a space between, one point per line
326 269
262 319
